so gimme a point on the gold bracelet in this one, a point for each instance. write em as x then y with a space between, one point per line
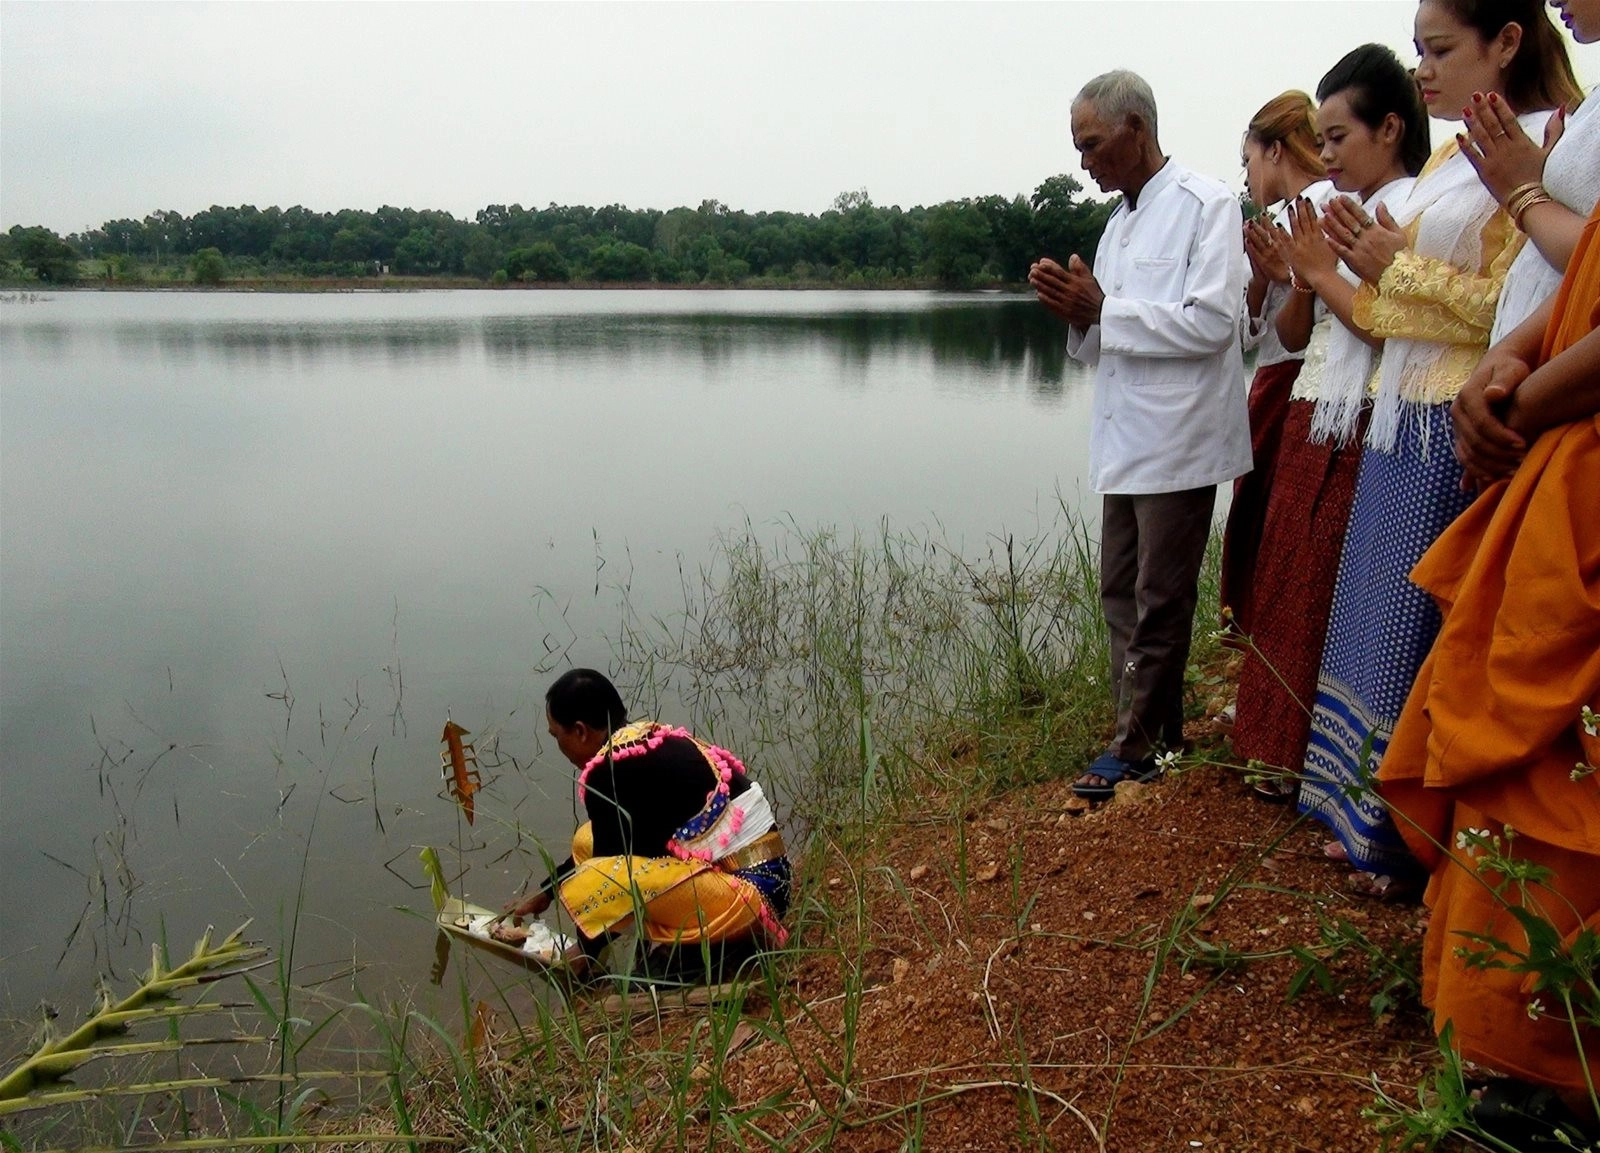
1514 207
1521 190
1519 200
1522 209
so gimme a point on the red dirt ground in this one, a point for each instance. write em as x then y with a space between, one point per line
1041 973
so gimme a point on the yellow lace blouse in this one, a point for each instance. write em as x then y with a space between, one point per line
1428 299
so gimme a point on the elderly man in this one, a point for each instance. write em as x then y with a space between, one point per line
1158 320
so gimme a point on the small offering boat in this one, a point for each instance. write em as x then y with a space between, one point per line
544 949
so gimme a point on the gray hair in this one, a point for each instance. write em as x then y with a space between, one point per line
1118 95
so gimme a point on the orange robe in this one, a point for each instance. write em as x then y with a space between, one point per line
1491 732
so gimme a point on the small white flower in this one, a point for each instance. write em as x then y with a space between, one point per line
1167 760
1535 1009
1471 838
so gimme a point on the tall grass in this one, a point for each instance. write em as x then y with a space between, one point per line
859 676
861 665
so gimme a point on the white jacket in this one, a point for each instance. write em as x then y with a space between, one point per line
1169 387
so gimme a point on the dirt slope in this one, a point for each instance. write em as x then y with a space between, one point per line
1080 981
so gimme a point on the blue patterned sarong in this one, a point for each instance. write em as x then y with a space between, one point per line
1379 634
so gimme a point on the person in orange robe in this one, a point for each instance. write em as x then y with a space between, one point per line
1493 729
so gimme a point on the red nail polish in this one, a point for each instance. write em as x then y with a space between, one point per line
1477 97
1494 98
1466 114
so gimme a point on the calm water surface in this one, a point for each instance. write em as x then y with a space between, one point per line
256 548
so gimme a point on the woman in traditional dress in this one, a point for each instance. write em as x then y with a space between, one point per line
1374 140
1281 165
1432 279
680 842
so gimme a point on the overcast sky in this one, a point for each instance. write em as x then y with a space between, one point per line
110 110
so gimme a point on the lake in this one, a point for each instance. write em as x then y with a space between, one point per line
254 550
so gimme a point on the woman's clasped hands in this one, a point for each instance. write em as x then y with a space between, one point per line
1267 261
1303 245
1367 244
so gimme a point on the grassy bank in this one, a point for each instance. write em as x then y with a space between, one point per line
975 963
972 966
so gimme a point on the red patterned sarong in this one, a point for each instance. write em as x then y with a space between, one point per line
1269 404
1307 513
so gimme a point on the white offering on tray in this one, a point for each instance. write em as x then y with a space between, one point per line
542 944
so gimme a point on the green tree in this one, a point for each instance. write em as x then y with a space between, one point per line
958 241
351 244
44 254
772 249
677 230
481 254
418 253
621 262
541 262
210 266
1064 225
851 200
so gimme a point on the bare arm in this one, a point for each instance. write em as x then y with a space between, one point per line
1554 230
1563 389
1485 446
1506 159
1295 320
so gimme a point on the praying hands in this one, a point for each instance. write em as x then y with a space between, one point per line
1366 244
1072 293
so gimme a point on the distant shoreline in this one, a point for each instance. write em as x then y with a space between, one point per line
434 284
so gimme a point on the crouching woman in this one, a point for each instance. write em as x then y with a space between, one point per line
680 844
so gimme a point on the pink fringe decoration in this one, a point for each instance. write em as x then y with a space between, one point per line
726 765
637 748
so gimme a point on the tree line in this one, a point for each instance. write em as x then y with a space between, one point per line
978 241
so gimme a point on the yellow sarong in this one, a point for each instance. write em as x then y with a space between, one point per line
675 901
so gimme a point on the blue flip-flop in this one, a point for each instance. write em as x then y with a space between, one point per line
1113 770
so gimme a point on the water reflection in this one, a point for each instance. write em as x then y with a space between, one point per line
231 555
1015 334
271 344
1011 333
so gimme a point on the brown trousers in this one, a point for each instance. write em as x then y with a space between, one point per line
1151 549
